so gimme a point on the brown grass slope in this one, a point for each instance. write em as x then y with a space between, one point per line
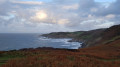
106 54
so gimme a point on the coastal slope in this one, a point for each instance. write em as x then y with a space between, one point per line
89 38
106 52
104 55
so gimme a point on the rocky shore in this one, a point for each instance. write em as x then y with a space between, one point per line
88 38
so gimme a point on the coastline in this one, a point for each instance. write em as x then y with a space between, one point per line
69 40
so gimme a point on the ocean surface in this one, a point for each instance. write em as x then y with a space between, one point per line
20 41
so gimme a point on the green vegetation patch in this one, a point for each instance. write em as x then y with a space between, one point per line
109 60
72 58
4 57
113 39
86 37
117 45
78 33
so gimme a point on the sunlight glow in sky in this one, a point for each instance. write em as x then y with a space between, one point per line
41 15
36 16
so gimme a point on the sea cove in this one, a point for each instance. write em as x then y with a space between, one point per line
20 41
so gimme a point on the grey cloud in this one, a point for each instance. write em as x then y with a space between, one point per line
5 7
87 4
65 1
60 14
114 8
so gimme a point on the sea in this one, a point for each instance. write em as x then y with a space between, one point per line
16 41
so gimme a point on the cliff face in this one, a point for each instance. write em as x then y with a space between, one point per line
90 38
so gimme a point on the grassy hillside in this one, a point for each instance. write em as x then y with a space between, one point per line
90 38
63 34
105 54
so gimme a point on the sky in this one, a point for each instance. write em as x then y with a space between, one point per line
45 16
